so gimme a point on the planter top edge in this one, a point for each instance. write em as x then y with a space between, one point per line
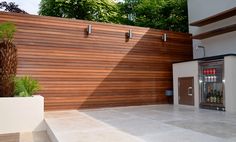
34 96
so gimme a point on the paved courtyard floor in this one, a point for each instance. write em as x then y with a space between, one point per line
152 123
40 136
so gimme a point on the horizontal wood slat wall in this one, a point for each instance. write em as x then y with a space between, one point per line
103 69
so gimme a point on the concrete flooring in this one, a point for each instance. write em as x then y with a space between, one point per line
34 137
25 137
154 123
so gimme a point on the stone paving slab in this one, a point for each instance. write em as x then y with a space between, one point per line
151 123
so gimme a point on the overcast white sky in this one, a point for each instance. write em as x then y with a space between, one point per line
30 6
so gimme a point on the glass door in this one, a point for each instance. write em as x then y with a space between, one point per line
211 79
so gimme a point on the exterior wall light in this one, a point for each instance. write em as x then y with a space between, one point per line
89 29
130 34
164 37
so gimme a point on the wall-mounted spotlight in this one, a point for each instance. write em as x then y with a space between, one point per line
89 29
164 37
130 34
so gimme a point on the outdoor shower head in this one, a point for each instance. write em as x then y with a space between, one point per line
202 47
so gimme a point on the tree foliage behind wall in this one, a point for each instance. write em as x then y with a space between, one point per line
160 14
95 10
11 7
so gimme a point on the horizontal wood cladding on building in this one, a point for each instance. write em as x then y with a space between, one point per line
103 69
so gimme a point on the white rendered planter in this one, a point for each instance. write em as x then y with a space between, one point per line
21 114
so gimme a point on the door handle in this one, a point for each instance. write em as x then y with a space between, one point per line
190 91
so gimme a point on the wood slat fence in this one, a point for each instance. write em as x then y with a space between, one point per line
102 69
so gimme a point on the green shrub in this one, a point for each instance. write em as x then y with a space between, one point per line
25 86
7 30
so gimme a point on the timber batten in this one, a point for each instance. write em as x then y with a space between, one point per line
103 69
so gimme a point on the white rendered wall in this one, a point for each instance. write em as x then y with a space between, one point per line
230 83
218 45
21 114
186 69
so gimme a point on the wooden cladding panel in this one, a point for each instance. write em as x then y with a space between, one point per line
103 69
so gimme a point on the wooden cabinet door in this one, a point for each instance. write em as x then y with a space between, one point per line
186 91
